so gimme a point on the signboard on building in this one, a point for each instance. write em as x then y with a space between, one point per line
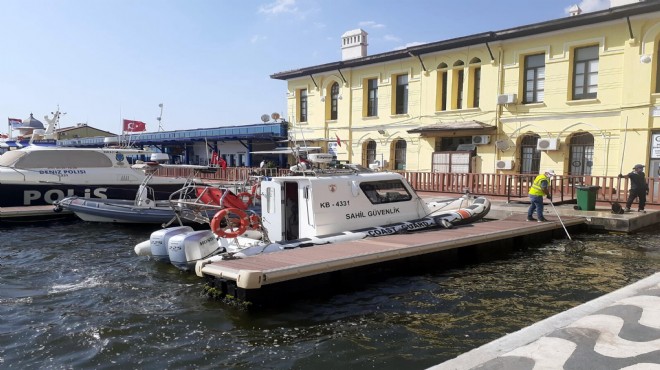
655 146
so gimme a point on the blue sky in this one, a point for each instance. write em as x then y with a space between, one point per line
208 61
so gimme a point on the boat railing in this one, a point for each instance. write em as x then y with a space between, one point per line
196 202
318 171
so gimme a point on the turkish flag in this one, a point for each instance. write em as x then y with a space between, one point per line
134 126
338 140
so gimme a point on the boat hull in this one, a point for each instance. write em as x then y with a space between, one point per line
34 194
116 211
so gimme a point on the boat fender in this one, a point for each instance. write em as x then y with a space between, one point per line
229 233
252 234
245 197
143 248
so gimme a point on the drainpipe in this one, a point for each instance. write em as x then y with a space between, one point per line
500 89
349 144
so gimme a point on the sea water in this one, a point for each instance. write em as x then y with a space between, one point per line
73 295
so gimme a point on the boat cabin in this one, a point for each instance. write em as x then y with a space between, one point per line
297 207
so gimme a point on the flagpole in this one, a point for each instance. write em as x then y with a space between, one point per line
207 150
121 125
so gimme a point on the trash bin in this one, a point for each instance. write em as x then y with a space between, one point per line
586 197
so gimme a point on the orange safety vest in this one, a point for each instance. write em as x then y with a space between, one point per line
536 188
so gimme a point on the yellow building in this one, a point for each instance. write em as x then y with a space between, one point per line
579 94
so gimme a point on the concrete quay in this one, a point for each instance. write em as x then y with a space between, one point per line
620 330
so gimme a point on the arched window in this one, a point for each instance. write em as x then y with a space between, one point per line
369 154
582 154
457 88
400 155
441 92
334 97
475 82
530 157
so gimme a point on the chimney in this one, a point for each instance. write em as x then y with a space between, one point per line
354 44
574 10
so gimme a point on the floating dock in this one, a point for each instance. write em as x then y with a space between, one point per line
264 278
261 278
31 213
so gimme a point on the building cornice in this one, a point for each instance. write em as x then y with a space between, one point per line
637 9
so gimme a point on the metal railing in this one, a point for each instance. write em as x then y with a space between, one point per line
512 186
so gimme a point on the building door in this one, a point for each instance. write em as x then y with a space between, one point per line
400 155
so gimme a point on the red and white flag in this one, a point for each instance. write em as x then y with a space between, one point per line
15 122
338 140
134 126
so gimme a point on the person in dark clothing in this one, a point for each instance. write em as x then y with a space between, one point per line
638 187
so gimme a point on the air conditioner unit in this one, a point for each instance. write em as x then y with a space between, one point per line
506 99
548 143
480 139
504 164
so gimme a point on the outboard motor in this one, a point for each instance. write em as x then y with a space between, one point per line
159 240
186 249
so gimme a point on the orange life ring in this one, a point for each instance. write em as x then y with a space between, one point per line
242 197
221 214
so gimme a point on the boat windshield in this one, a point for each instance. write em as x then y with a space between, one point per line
63 159
10 157
389 191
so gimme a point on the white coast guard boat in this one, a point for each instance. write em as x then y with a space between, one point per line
312 207
39 175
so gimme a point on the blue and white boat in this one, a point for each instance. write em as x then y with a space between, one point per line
42 175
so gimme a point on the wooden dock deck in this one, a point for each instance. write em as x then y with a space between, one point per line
31 213
243 278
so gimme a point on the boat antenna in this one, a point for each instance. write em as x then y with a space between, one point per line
160 118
